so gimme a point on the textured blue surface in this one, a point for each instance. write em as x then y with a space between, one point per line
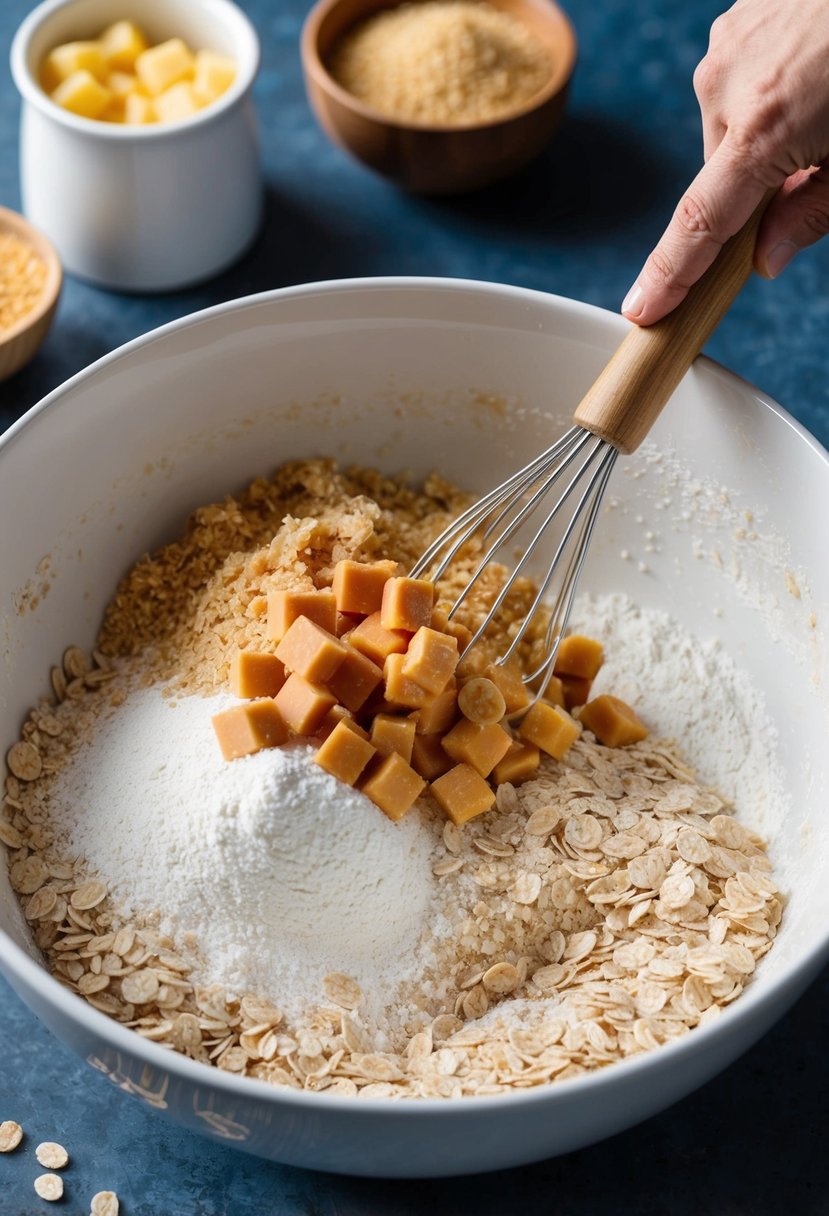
579 222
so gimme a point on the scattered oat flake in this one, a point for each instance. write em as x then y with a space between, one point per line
526 889
105 1203
24 760
342 990
49 1186
11 1134
51 1156
140 987
88 896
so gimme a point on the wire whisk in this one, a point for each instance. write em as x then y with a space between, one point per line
613 418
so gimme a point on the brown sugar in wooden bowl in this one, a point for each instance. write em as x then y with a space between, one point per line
29 290
437 157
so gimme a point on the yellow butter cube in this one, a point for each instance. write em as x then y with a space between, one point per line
176 103
214 73
82 94
71 57
139 109
121 84
164 65
121 45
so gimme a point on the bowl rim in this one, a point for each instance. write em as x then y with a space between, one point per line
18 225
32 93
315 69
14 959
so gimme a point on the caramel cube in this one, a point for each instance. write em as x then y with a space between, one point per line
613 722
253 674
479 746
439 714
400 690
245 729
520 762
336 715
574 691
579 656
358 586
462 794
440 621
554 692
355 679
344 754
407 603
311 652
393 786
303 705
428 757
431 659
346 621
550 728
392 734
507 679
375 642
284 607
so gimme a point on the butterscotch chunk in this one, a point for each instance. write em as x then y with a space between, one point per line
407 603
439 714
253 674
285 606
440 621
393 786
479 746
358 586
375 642
344 754
613 722
579 656
303 705
431 659
507 679
554 692
245 729
400 689
550 728
355 679
336 715
346 621
481 701
574 690
462 794
520 763
393 734
428 757
311 652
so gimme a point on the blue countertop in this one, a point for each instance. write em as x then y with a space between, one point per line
579 222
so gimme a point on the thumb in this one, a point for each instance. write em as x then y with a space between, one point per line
718 202
796 218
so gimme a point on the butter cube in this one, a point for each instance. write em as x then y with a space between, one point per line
246 729
71 57
285 606
121 84
82 94
139 109
355 679
431 659
462 794
407 603
164 65
400 690
303 705
520 762
311 652
175 103
214 74
121 44
428 757
550 728
253 674
613 722
393 734
579 656
481 747
393 786
344 754
358 586
375 642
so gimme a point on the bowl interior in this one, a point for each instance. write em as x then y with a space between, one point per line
17 226
712 521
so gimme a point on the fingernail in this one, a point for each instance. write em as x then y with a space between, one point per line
633 302
779 258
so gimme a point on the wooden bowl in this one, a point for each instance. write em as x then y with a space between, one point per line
436 159
19 343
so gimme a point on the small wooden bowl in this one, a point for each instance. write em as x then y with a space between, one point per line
19 343
436 159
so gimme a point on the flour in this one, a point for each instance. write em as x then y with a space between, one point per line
280 871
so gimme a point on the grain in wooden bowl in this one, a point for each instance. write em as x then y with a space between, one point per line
30 283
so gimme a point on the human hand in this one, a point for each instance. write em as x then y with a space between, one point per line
763 90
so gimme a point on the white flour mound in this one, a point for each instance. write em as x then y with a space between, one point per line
282 872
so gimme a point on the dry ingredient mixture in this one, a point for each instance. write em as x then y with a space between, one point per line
604 907
444 62
22 278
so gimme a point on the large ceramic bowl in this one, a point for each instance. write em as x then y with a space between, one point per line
471 379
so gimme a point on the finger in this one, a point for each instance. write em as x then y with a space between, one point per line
796 218
713 133
716 205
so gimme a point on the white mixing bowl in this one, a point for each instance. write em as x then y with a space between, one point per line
470 379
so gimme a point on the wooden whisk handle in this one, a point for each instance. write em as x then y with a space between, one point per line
630 393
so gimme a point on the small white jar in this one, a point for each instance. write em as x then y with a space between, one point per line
141 208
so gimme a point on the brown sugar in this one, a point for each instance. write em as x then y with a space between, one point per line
22 279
